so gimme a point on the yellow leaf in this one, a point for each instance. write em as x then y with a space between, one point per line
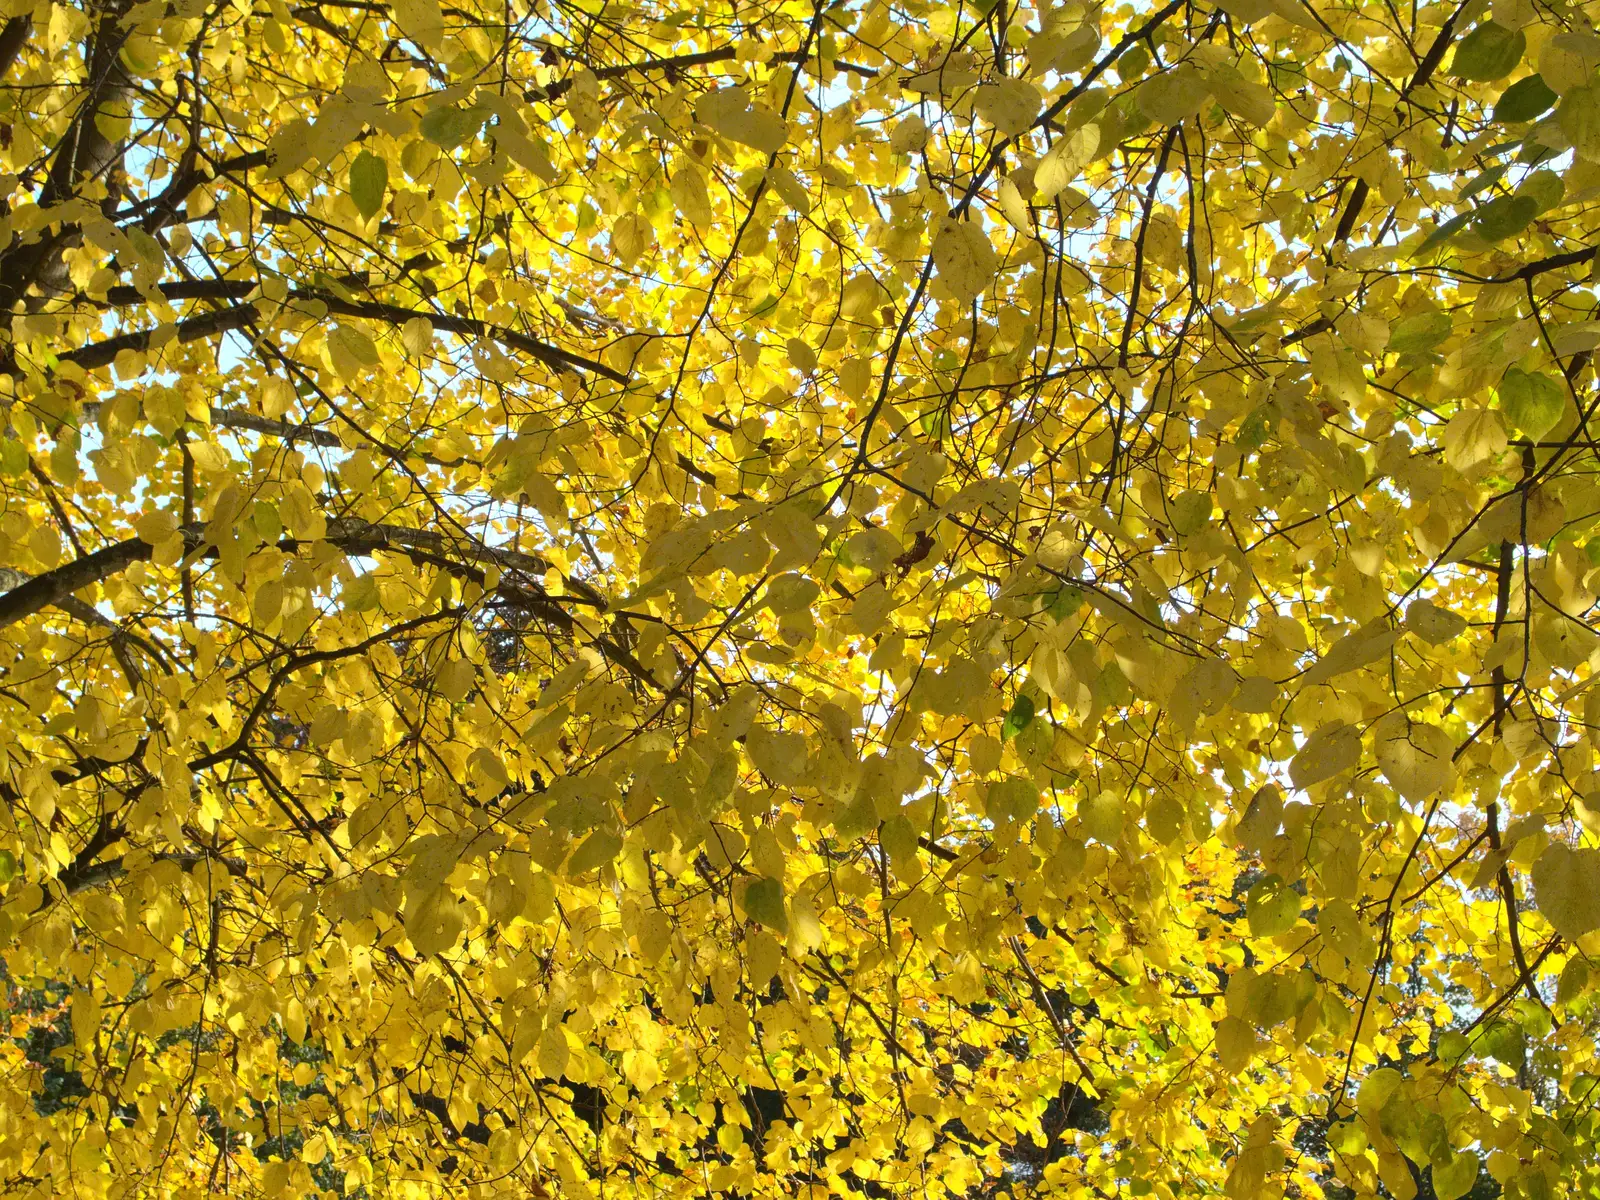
1334 748
1433 624
416 335
641 1068
1010 105
789 189
728 112
156 526
964 258
436 923
1066 160
1235 1042
351 352
690 196
1014 206
1338 370
1473 436
1415 758
631 236
553 1052
910 135
801 355
420 20
1251 102
1566 883
1172 96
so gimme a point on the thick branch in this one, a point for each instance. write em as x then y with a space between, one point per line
79 879
83 152
58 585
682 62
1555 262
457 556
1425 70
103 354
13 37
396 315
100 354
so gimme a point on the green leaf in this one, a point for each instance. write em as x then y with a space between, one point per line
763 901
369 179
1502 218
1419 332
1443 233
1102 816
1376 1091
1134 62
8 866
1064 602
935 423
13 457
1013 799
1455 1177
1505 1041
1545 188
1531 154
1574 980
1532 401
1487 179
1189 512
1578 116
452 127
351 350
1524 100
899 838
1452 1048
148 248
1489 52
325 282
1018 719
599 848
1254 430
1272 908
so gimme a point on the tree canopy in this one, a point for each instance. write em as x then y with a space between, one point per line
615 598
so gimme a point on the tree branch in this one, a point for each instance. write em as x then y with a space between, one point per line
13 37
456 556
100 354
1425 70
672 65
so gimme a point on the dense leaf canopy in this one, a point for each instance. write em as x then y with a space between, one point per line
898 599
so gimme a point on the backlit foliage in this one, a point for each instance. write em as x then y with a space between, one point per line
895 599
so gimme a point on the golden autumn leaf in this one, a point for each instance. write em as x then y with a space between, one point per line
912 601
